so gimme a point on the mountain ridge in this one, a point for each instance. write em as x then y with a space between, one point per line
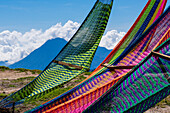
42 56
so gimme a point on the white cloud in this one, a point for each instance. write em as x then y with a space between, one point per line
14 45
111 38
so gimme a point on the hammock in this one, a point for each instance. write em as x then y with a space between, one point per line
75 97
148 15
74 59
147 84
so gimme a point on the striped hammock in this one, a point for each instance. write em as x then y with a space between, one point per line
152 10
81 96
147 84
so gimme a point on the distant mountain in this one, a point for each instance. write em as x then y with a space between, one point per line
4 63
42 56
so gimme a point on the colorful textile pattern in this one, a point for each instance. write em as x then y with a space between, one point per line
148 15
81 96
78 51
147 84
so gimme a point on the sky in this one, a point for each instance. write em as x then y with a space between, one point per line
26 25
23 15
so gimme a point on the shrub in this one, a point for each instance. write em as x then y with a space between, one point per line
3 68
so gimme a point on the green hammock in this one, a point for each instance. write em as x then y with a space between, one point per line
74 59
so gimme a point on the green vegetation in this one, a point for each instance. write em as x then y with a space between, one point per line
82 77
26 70
34 71
3 68
164 102
2 95
87 73
12 85
77 80
21 69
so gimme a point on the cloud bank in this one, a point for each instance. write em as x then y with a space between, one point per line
15 45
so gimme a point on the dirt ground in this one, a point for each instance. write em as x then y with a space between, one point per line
10 74
9 80
157 109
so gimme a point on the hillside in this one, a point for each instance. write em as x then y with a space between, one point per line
12 80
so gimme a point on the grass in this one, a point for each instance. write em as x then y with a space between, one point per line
26 70
4 83
3 68
164 102
2 95
87 73
21 69
12 85
82 77
77 80
34 71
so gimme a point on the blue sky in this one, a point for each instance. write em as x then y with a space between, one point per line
23 15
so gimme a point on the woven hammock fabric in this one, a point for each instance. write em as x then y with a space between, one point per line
86 95
78 51
86 90
140 25
146 85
